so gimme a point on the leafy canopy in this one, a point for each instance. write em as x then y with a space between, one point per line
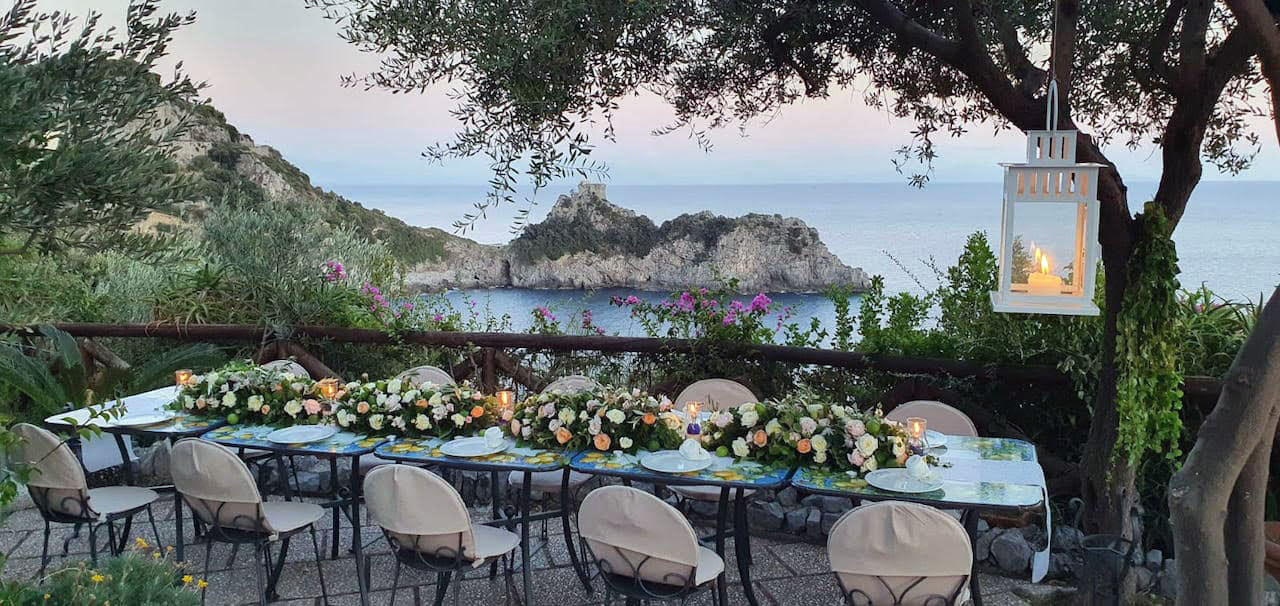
85 129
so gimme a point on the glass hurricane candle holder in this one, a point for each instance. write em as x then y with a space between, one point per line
693 427
506 403
916 429
182 378
328 389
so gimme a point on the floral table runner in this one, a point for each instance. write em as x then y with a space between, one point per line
725 471
255 436
427 450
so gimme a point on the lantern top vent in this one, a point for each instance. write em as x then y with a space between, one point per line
1051 147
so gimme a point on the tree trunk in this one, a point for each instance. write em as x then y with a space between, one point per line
1216 499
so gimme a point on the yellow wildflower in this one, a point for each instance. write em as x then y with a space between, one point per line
47 596
141 542
97 578
186 579
202 583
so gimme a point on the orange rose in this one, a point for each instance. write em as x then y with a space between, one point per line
477 411
761 438
266 410
602 441
421 403
803 446
649 418
563 435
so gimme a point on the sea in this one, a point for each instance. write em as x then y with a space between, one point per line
1228 240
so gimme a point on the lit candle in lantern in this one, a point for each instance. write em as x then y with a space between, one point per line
182 378
505 400
692 427
1043 282
328 389
916 428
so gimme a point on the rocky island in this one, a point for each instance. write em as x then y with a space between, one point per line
585 241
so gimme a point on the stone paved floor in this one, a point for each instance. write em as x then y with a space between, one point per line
785 573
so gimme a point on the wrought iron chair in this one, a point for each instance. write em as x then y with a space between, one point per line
428 528
549 482
900 554
222 495
61 494
643 548
939 417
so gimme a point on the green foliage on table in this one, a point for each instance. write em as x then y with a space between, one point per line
85 129
1149 334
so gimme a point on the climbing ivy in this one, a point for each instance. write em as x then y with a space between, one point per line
1149 390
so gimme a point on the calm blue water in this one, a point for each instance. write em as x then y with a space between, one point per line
1229 238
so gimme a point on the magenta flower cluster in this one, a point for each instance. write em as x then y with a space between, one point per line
334 271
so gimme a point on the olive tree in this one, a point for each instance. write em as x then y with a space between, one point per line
533 78
85 129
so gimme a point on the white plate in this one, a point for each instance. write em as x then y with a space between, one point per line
472 447
900 480
671 461
935 439
144 419
302 434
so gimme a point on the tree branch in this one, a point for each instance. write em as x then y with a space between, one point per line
1253 17
1157 61
1030 78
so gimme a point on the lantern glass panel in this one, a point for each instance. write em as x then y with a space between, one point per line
1046 249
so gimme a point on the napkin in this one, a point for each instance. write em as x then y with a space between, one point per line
493 437
693 451
918 468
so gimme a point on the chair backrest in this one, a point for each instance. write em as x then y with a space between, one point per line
288 366
634 534
939 417
420 512
572 384
420 375
57 483
716 394
217 486
900 553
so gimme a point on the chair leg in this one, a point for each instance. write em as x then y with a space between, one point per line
442 587
324 590
154 531
208 555
457 587
257 571
66 541
111 537
44 552
93 544
395 582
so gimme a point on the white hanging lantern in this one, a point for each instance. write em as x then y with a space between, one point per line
1049 228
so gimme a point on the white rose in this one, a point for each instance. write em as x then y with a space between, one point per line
229 400
582 415
615 415
255 402
740 448
393 386
435 399
375 422
299 387
870 464
410 395
867 444
553 425
745 408
772 427
819 444
899 447
381 400
422 422
292 408
458 419
345 418
624 442
819 456
750 418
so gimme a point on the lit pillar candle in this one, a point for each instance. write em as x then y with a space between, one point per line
505 401
1043 282
182 378
916 428
328 389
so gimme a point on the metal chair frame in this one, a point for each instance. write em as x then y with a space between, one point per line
40 496
857 597
635 587
254 531
445 561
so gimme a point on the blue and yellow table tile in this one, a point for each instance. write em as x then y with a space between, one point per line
427 450
953 492
255 436
987 449
724 472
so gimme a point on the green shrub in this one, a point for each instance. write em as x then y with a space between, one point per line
136 579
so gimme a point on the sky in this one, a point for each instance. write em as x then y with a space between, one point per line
273 68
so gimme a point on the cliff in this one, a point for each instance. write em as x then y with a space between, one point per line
585 241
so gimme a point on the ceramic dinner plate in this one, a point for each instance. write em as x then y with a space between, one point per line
901 480
935 439
671 461
144 419
302 434
472 447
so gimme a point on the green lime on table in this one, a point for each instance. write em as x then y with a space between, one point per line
233 418
722 451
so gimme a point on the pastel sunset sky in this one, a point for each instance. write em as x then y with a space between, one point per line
273 68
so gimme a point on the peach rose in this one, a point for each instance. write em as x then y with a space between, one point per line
421 403
563 435
201 403
803 446
760 438
266 410
515 427
362 408
477 411
602 441
649 418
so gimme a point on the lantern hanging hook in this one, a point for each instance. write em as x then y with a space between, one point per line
1051 98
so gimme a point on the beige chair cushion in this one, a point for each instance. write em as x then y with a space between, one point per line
710 565
287 516
116 499
421 375
548 481
56 474
706 493
492 542
938 417
715 394
572 384
288 366
620 525
900 542
421 511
